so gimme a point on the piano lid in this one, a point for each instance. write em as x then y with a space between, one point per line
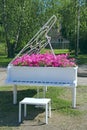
40 40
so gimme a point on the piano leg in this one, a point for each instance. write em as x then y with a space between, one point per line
74 97
14 94
38 92
44 91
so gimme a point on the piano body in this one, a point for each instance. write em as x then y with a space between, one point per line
41 76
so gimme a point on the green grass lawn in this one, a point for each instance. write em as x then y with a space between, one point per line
61 103
82 59
4 61
56 51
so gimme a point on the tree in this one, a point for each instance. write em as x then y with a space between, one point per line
74 25
20 22
21 19
83 29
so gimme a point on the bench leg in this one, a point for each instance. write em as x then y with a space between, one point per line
49 109
19 112
14 94
46 112
25 109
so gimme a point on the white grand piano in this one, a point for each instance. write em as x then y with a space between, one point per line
45 77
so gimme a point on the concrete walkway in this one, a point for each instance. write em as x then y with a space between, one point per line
82 75
3 74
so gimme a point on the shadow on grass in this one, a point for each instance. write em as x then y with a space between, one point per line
9 111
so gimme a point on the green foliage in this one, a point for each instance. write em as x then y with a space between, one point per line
2 49
20 20
83 30
69 18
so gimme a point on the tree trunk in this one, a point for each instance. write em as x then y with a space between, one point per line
10 50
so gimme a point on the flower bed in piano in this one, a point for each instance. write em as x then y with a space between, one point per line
42 69
45 60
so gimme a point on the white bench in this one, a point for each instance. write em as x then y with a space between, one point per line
36 101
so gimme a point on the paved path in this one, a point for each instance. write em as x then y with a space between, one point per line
82 71
3 74
82 75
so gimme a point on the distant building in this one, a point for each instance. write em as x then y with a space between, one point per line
58 41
